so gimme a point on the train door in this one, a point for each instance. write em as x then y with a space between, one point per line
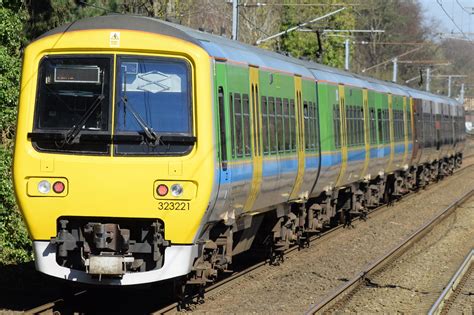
222 130
343 133
300 144
223 101
437 114
365 102
257 160
391 133
419 129
405 129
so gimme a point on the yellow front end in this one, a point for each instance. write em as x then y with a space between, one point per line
114 185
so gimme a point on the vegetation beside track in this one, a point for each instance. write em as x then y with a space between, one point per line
14 243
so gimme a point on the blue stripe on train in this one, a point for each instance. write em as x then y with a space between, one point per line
243 171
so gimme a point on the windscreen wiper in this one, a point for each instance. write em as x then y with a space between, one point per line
150 134
72 133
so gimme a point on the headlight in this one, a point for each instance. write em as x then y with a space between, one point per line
176 190
44 187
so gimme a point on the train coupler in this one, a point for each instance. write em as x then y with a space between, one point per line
110 265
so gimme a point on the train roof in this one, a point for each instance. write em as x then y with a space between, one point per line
224 48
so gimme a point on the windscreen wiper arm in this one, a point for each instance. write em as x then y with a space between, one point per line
150 134
72 133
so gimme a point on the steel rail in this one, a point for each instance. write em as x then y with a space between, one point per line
347 289
314 240
457 281
48 308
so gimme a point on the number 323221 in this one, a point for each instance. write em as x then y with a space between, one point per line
173 205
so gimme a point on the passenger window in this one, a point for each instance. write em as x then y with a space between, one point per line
350 127
272 125
307 134
336 126
380 123
258 127
222 128
246 126
286 114
316 126
280 125
293 125
232 124
373 127
362 129
312 126
266 146
238 126
409 124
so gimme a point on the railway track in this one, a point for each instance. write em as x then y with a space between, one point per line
315 240
341 295
51 307
213 290
454 287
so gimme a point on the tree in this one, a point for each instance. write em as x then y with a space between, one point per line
305 44
459 53
14 243
48 14
402 21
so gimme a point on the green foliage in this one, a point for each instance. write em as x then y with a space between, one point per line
11 39
9 83
15 245
46 15
305 44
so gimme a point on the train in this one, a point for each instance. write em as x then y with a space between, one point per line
147 151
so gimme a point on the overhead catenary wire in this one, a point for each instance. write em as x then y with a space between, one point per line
299 26
263 4
391 59
462 7
454 22
253 24
469 13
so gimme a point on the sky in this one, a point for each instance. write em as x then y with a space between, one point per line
456 9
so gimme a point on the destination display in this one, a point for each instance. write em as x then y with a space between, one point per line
77 74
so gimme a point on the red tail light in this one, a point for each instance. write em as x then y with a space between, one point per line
162 190
58 187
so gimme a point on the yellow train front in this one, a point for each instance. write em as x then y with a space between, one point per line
107 170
